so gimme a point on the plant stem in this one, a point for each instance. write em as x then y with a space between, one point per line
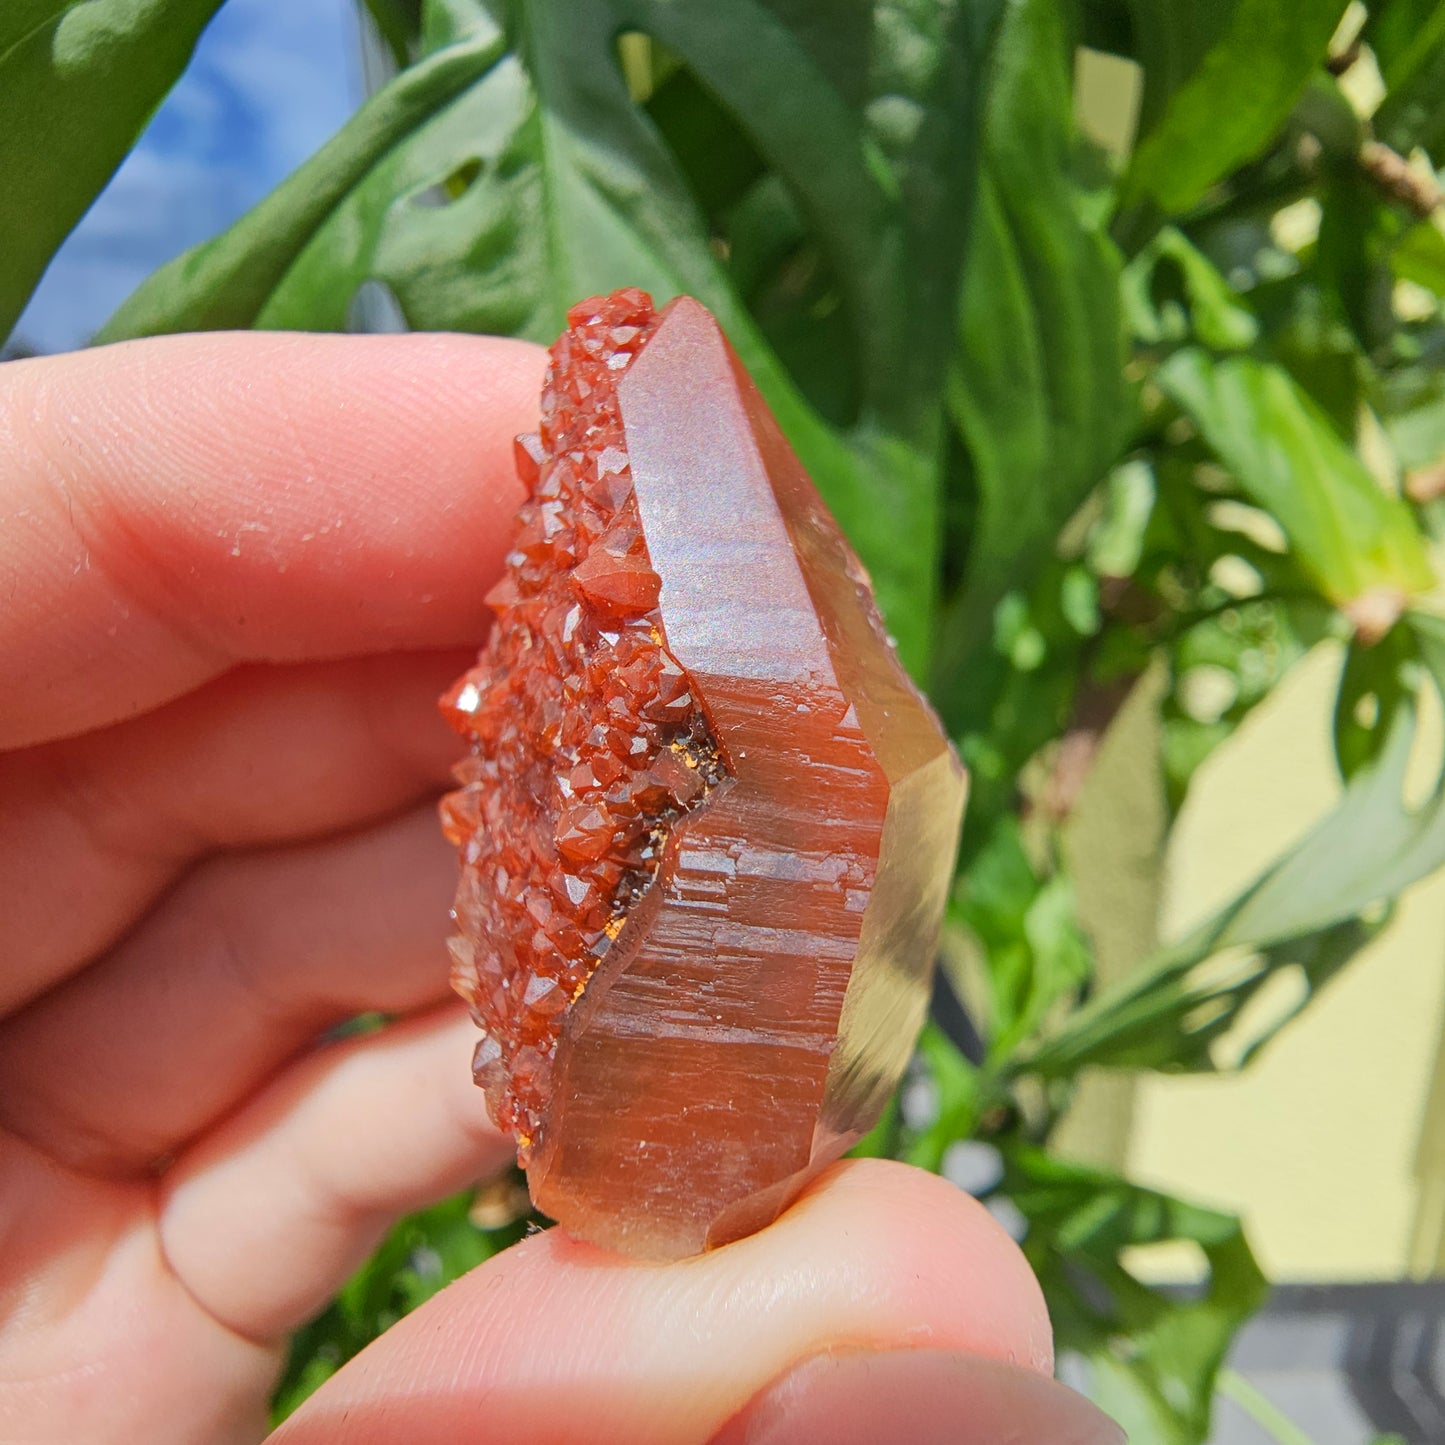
1268 1416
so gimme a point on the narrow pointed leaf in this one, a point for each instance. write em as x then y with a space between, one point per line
1310 911
1037 392
1233 100
78 82
1349 534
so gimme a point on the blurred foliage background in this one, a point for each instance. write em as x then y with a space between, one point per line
1111 371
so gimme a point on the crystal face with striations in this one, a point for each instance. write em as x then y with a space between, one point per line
706 824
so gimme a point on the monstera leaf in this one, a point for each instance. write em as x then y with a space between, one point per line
1153 1355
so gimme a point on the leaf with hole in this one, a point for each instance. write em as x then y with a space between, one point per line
1153 1354
1172 293
505 176
1375 683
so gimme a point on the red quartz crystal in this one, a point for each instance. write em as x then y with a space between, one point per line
706 824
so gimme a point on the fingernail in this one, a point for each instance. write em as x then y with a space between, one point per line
927 1397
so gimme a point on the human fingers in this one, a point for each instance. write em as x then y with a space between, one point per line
93 828
99 1341
174 506
302 1182
555 1341
247 962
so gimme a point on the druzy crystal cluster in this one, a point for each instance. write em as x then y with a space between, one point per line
588 742
706 823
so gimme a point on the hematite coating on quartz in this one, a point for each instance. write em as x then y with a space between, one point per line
736 989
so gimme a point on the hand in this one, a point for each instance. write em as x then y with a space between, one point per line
236 572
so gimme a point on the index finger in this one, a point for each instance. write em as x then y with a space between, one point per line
171 507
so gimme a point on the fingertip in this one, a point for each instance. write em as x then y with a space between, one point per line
936 1231
557 1340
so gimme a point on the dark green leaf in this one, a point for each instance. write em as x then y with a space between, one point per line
1038 392
1393 28
718 160
398 22
1236 95
1412 112
1170 41
1351 258
231 280
78 82
1375 683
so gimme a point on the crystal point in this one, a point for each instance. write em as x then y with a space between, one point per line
741 821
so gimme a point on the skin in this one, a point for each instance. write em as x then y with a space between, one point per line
237 571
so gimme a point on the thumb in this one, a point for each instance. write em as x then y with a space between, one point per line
776 1338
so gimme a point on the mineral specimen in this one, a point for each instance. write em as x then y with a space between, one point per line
706 824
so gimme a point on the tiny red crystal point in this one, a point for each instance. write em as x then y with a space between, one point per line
706 824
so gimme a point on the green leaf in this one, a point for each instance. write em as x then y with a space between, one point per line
398 22
1154 1354
1037 392
1412 112
959 1100
1351 258
1234 99
1356 541
1310 912
1375 683
719 162
1412 407
1419 256
1170 40
78 82
1393 29
1035 955
1172 293
1242 651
